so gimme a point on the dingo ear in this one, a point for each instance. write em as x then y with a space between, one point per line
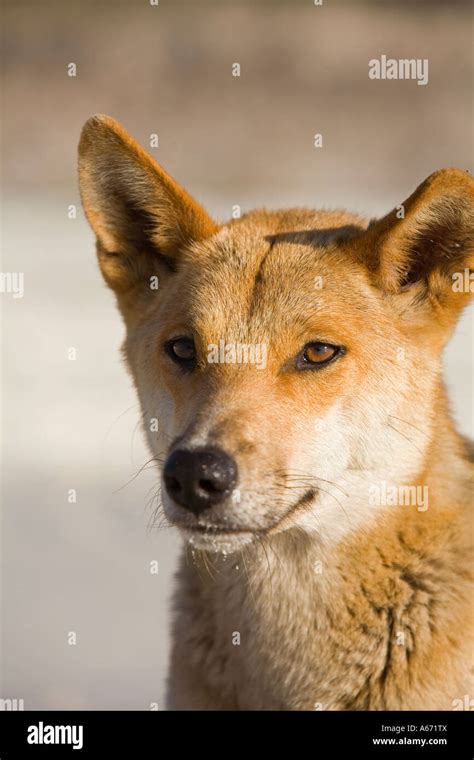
424 249
140 215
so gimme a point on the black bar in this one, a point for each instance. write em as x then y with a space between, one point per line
346 734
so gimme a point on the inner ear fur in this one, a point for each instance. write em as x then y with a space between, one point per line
141 216
425 242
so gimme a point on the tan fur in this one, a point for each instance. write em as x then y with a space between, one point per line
323 599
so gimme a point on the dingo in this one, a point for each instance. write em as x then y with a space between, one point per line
299 591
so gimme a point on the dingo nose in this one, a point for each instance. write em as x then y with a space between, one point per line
199 479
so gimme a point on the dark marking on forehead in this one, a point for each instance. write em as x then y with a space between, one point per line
317 237
258 278
259 272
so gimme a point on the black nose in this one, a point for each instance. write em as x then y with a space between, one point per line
199 479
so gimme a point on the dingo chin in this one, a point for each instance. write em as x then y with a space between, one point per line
288 369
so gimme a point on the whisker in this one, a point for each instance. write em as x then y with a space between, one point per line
261 541
142 468
337 501
248 577
410 424
301 474
405 437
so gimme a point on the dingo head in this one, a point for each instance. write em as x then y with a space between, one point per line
290 358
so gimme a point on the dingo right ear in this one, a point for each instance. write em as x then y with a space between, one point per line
416 253
141 217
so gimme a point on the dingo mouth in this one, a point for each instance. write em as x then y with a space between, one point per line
217 529
215 537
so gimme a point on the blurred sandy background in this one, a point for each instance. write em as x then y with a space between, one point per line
85 567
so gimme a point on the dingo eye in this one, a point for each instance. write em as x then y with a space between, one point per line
317 354
182 351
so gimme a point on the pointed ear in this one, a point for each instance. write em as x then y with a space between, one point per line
420 251
141 217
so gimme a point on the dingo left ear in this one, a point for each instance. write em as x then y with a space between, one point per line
141 217
424 249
